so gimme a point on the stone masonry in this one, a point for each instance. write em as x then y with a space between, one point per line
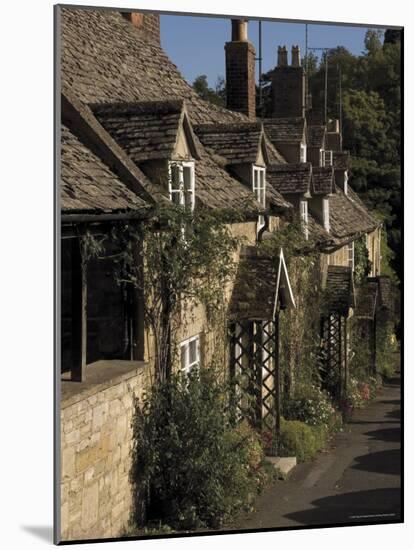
96 439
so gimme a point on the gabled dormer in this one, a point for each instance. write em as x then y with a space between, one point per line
293 181
288 135
158 137
241 148
321 189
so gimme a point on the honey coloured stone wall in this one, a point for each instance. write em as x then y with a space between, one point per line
96 439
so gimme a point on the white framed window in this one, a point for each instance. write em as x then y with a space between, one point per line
346 182
325 214
190 353
302 154
303 206
259 190
181 183
351 255
328 158
321 157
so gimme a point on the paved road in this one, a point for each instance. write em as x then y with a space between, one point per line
358 479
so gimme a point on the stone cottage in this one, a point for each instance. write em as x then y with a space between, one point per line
130 123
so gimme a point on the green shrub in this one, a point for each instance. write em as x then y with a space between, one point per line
191 467
300 440
313 407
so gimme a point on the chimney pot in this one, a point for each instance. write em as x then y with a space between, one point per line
239 30
282 56
295 56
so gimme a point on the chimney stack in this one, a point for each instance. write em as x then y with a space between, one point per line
147 23
295 56
282 59
240 70
288 85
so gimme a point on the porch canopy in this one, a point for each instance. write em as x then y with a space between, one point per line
262 286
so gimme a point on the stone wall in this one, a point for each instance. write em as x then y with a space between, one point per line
96 438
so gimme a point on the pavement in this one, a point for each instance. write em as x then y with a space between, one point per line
356 480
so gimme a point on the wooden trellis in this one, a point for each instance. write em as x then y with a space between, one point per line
254 370
336 337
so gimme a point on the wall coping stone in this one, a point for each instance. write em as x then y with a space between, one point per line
99 376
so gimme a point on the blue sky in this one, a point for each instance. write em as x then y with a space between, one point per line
196 44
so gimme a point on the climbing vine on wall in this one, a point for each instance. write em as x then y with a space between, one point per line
177 259
299 328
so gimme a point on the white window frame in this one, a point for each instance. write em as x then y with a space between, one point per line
321 157
303 152
328 158
351 255
325 214
187 367
182 191
259 190
346 182
303 209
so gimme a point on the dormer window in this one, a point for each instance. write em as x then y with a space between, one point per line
325 213
351 255
302 157
303 206
259 190
181 183
328 158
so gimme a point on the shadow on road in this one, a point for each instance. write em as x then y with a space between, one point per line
382 462
388 434
375 505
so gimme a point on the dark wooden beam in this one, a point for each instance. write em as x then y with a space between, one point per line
79 321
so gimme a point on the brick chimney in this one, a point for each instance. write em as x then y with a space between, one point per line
240 70
288 85
147 23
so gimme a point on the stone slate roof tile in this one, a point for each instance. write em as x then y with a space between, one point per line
145 130
275 157
254 291
285 130
236 142
87 184
290 178
104 59
348 216
315 136
366 296
385 292
322 180
340 289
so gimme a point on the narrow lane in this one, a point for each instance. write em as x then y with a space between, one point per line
357 479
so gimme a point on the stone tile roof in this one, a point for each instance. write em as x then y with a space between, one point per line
274 156
385 292
322 180
145 130
341 160
290 178
366 296
348 216
315 136
254 290
106 59
285 130
340 289
87 184
237 142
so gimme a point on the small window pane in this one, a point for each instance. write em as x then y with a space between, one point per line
184 364
193 351
187 178
175 197
175 177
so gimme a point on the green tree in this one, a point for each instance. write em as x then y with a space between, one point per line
216 96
